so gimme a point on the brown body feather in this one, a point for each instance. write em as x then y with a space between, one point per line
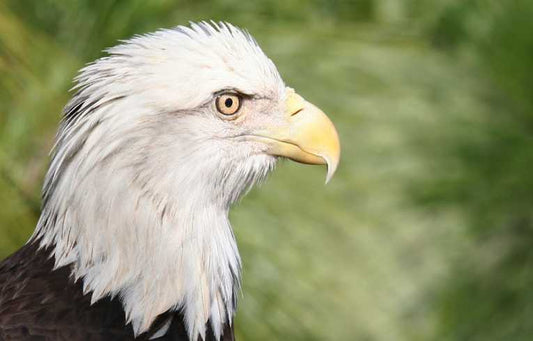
39 303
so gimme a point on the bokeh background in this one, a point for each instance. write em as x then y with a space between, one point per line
425 232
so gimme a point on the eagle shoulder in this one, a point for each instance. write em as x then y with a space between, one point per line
38 302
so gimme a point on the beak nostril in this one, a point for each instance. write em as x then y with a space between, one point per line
297 111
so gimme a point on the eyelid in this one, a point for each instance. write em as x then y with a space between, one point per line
234 91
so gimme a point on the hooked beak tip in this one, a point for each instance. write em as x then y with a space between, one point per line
332 167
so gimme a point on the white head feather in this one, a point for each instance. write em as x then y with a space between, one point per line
143 174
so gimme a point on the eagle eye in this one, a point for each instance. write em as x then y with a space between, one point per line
228 103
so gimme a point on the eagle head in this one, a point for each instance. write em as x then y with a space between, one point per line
162 136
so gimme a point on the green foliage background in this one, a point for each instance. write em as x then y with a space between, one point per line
425 233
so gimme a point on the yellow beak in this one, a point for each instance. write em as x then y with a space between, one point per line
308 137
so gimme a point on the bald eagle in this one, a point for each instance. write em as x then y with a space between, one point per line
162 136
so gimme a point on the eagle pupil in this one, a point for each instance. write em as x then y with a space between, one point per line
228 102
